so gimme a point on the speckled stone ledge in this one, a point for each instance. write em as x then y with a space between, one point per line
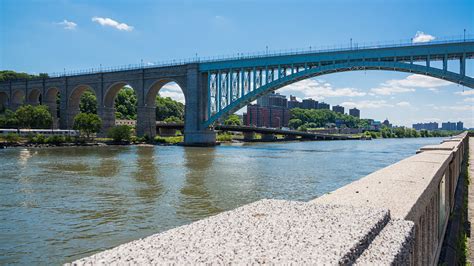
267 231
393 246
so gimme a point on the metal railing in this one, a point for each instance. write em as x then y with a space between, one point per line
284 52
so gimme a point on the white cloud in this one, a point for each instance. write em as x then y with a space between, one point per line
403 104
319 90
112 23
409 84
469 100
68 25
465 93
422 37
173 91
367 104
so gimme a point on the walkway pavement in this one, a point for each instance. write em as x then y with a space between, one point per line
471 199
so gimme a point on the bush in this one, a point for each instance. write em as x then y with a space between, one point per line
87 124
12 138
120 133
224 137
37 139
56 139
169 140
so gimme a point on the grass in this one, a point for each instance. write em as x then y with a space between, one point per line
169 140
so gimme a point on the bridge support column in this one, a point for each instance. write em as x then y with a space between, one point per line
107 115
268 137
70 114
53 110
249 136
146 121
195 134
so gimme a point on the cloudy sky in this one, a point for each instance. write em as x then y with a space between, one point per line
50 36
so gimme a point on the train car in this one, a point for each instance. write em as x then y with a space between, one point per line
44 132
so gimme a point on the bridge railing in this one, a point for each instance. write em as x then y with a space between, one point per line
268 53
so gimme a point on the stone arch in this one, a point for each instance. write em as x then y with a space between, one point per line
74 101
335 68
107 110
4 101
18 98
146 113
156 86
34 97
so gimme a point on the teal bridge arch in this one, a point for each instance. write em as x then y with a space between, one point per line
232 84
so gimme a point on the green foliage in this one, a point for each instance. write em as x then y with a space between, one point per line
87 124
88 103
321 117
166 107
56 139
37 139
224 137
173 119
29 116
169 140
233 120
120 133
126 104
12 138
8 120
295 123
6 75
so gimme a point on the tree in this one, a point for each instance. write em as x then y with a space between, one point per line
166 107
233 120
87 124
29 116
9 120
126 104
6 75
120 133
88 103
172 119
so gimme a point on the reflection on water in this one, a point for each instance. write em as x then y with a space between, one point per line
196 201
60 204
147 174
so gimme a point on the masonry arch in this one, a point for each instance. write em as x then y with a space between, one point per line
35 97
74 102
336 68
120 102
147 114
18 98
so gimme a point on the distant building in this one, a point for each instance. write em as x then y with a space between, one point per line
338 109
309 104
272 99
448 126
354 112
323 105
262 116
460 126
387 123
293 102
426 126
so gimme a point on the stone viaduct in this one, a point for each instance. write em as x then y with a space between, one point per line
215 88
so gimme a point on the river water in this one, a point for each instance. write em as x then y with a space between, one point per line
61 204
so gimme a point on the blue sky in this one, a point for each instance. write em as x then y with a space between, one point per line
48 36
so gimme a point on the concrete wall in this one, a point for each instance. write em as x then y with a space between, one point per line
418 189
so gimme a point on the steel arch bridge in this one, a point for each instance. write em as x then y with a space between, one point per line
216 88
232 84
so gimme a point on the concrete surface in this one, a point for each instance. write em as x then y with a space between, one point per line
392 246
267 231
